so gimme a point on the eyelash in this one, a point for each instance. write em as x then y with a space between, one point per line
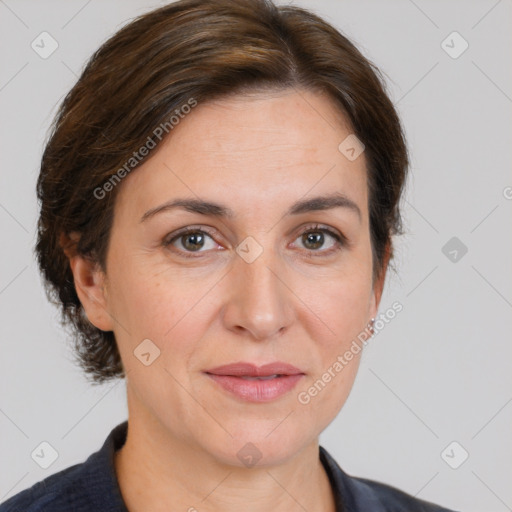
341 240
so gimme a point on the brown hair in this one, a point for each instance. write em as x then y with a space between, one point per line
143 75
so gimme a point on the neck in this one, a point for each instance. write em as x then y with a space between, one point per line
158 472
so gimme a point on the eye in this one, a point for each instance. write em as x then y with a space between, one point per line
191 240
314 238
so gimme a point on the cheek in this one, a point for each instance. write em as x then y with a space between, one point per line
337 305
336 316
167 307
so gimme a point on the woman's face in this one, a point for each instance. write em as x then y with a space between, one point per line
265 284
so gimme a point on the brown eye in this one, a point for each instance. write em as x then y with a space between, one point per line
190 240
316 238
313 240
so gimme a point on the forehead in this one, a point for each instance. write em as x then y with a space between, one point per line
256 149
295 124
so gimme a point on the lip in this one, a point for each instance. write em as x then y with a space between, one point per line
251 370
231 378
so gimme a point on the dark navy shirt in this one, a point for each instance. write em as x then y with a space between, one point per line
92 486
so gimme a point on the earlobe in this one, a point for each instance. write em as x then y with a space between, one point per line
90 285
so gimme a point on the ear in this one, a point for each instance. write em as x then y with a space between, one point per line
378 285
90 284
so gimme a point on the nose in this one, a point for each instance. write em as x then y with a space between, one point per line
260 304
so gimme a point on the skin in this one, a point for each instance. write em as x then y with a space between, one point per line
257 155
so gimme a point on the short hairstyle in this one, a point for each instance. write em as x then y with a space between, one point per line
194 51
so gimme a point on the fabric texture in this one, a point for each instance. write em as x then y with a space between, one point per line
92 486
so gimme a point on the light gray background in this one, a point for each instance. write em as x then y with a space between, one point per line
439 372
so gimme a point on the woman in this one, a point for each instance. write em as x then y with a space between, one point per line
218 199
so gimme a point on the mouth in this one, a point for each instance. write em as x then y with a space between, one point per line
256 384
267 377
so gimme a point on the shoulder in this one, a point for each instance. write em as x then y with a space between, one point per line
356 494
90 485
58 492
393 499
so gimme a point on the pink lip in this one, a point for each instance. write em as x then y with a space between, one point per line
230 377
251 370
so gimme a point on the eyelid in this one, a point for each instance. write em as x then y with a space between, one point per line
187 230
305 228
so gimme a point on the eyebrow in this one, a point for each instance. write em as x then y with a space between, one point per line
325 202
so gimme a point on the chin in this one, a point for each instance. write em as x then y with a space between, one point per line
260 446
